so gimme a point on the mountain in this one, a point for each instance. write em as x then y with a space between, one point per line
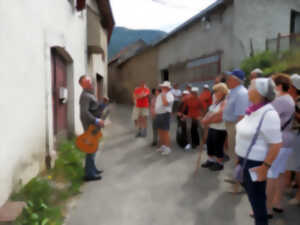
122 37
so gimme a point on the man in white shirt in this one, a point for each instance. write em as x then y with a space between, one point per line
163 109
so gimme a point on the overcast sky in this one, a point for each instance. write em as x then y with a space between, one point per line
155 14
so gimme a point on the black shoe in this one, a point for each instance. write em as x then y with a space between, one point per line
216 167
154 143
99 171
226 158
98 177
207 164
278 210
270 216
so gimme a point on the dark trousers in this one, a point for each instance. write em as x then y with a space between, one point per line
256 192
155 131
215 142
90 167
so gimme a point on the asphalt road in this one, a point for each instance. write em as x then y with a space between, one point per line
141 187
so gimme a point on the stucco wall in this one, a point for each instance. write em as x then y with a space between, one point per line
124 79
259 20
97 35
28 30
197 41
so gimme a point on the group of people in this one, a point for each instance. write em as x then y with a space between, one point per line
164 101
258 127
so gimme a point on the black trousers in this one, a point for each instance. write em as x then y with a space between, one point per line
215 142
256 192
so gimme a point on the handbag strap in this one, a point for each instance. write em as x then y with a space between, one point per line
255 137
287 122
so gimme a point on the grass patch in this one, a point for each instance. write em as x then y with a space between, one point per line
46 194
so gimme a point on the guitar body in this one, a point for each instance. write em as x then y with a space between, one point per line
88 142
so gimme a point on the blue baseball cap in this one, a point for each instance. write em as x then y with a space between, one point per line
240 74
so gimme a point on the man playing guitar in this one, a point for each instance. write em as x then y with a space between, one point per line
90 115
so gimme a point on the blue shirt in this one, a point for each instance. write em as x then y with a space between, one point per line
237 103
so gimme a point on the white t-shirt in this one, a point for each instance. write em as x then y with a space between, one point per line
159 106
176 93
214 109
270 133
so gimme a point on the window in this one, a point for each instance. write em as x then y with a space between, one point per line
165 75
295 22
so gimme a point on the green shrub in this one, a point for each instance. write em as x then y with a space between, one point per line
260 60
271 62
69 165
40 214
43 196
38 189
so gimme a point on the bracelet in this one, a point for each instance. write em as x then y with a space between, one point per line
267 164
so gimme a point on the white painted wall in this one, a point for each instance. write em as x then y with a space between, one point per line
29 28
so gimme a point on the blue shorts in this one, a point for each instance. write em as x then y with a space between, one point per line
162 121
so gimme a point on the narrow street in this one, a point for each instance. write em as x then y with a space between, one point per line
141 187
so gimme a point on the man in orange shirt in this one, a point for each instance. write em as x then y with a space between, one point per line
195 110
206 97
141 96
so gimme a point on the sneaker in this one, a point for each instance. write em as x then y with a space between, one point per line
216 167
144 132
166 151
226 158
160 149
207 164
139 134
187 147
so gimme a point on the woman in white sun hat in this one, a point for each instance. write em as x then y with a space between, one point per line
163 110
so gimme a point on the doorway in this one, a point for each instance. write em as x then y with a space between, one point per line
59 80
165 75
100 90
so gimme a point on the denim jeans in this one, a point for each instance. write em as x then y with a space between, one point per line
90 167
256 192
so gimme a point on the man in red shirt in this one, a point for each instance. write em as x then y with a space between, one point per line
195 110
141 96
206 97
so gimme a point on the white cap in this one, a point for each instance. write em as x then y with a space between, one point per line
185 92
195 89
206 86
261 85
166 84
257 70
295 78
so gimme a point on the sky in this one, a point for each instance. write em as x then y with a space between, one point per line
156 14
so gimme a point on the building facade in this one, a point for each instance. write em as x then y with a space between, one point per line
219 38
45 47
131 68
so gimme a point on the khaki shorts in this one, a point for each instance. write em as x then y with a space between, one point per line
136 112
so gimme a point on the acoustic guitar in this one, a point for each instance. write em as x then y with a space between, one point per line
88 142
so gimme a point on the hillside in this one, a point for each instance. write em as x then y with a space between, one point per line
122 37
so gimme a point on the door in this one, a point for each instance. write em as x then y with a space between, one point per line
59 79
99 86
